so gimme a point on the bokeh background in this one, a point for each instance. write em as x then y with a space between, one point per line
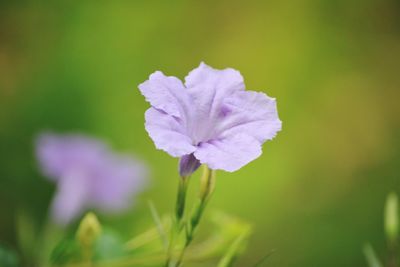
316 194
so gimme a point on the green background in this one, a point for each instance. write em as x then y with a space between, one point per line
316 194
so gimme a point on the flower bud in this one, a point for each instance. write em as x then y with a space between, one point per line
188 164
391 218
88 231
207 183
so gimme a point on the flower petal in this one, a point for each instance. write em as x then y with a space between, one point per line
120 178
168 133
166 93
250 113
230 153
58 155
71 198
207 88
228 78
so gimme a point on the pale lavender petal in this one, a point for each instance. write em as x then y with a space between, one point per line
230 153
188 164
207 88
168 133
57 154
119 180
166 93
71 197
226 79
250 113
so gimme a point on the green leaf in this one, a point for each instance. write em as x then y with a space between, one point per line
263 259
108 246
67 250
26 234
233 251
391 218
160 227
8 257
371 257
241 232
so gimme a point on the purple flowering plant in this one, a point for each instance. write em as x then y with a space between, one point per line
209 119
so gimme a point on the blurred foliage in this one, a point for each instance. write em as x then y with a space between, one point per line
315 193
391 218
371 257
8 257
228 236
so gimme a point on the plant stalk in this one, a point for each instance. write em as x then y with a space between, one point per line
207 185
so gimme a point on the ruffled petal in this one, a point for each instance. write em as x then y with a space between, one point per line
251 113
205 75
230 153
166 93
207 88
168 133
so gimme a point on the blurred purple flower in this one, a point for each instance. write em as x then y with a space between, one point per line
88 175
211 117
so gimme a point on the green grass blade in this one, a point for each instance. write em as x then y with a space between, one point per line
264 259
160 227
371 257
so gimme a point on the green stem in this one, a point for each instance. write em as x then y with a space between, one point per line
206 189
179 214
191 228
181 199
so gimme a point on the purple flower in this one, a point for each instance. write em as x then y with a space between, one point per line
88 175
210 118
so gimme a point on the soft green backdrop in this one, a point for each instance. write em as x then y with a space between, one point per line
315 195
